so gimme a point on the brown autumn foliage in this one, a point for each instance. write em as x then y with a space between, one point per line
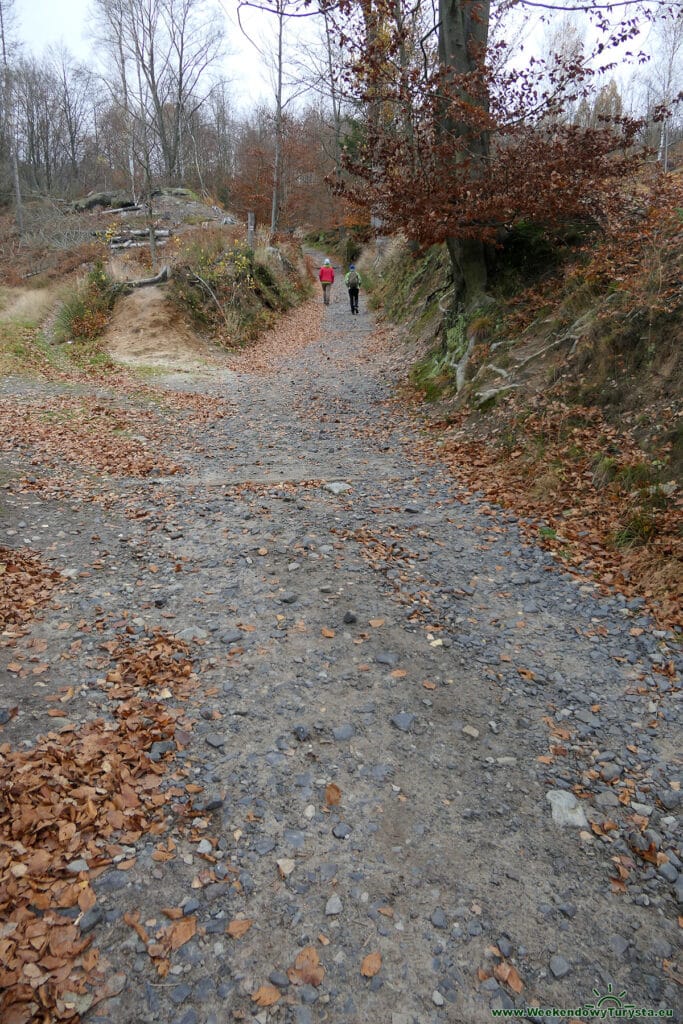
306 161
67 806
67 429
26 585
603 518
453 153
307 969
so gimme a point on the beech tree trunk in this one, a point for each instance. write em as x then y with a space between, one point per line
277 163
463 36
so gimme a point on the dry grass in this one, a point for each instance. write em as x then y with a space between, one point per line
27 306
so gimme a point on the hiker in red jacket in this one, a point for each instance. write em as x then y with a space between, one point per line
326 278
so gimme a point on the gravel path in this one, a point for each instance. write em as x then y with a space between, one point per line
397 701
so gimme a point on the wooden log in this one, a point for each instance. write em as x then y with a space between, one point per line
162 276
136 245
123 209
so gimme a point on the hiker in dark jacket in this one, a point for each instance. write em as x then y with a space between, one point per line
353 283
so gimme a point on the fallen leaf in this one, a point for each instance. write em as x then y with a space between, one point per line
182 931
173 913
237 928
333 794
508 975
376 623
266 995
132 918
307 968
371 965
329 633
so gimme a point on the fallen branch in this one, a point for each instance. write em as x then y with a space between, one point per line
482 397
162 276
203 283
122 209
135 245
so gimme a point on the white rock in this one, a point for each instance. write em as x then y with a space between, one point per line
437 998
285 866
204 846
337 487
333 906
566 808
469 730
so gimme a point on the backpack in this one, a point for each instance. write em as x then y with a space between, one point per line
353 279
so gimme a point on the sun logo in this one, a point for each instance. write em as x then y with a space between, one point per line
610 998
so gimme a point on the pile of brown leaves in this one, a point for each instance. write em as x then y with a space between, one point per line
78 796
26 584
546 468
67 429
293 332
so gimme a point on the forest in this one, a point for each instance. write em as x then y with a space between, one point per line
368 102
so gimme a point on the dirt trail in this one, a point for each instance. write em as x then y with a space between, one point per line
355 788
146 331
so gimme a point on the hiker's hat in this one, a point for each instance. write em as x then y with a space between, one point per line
352 267
327 263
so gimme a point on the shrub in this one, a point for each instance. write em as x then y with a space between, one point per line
229 290
85 314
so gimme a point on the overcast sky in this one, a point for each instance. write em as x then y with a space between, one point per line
42 23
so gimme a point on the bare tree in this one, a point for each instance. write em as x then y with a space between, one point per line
169 45
666 76
287 85
75 84
39 123
6 23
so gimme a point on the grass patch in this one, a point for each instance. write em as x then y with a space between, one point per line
638 530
